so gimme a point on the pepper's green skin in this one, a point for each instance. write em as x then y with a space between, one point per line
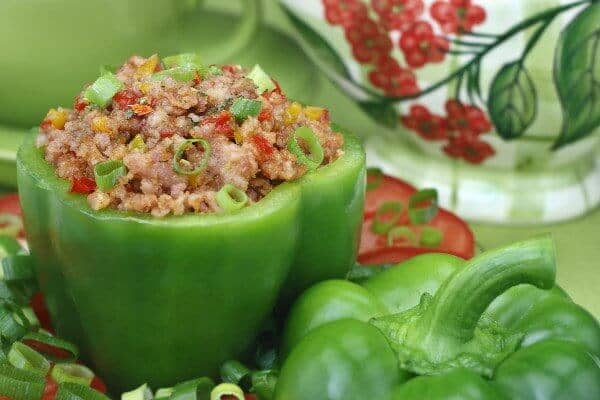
495 327
164 300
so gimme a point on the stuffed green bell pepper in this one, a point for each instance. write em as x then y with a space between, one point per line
437 327
171 208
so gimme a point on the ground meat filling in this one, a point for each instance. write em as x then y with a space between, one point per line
149 119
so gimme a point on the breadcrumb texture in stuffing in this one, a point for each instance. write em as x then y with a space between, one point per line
146 121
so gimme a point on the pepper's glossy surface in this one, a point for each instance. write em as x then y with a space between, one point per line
495 327
163 300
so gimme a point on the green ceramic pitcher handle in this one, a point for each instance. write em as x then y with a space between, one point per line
251 16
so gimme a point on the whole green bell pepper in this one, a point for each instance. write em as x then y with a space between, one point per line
437 327
163 300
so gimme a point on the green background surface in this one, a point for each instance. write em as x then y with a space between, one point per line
274 47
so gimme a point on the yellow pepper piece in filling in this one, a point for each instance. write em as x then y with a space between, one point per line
100 124
147 68
313 113
137 143
57 117
291 113
145 87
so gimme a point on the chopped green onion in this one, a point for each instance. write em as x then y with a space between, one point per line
137 144
196 389
107 174
18 384
74 391
401 232
263 383
242 108
261 79
214 70
230 198
141 393
418 213
233 371
190 60
10 224
18 267
315 156
178 157
163 393
74 373
108 69
184 73
431 237
382 226
374 178
24 357
8 246
13 322
34 323
69 352
227 389
103 89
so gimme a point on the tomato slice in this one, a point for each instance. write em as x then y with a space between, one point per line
9 204
98 385
374 249
38 304
386 188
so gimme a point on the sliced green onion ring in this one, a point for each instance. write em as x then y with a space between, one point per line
261 79
242 108
315 150
227 389
70 351
74 391
101 92
141 393
230 198
382 226
233 371
24 357
189 60
10 224
75 373
179 156
17 267
107 174
163 393
401 232
263 383
431 237
19 384
14 324
419 214
195 389
374 178
34 323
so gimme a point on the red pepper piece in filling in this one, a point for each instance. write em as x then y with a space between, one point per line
262 144
166 134
265 114
83 185
126 98
222 123
80 104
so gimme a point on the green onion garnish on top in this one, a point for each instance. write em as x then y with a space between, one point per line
242 108
315 155
261 79
192 60
101 92
75 391
431 237
107 174
24 357
178 159
184 73
386 216
227 389
230 198
423 206
70 372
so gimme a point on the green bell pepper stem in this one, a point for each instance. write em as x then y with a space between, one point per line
456 308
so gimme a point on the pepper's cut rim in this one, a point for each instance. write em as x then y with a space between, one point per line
30 160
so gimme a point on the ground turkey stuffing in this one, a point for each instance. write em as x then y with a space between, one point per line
150 117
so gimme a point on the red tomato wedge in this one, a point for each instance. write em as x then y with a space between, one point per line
386 189
374 249
9 204
38 304
98 385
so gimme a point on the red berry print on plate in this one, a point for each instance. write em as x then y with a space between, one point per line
470 149
368 40
342 12
457 16
467 120
421 45
394 80
398 14
428 125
